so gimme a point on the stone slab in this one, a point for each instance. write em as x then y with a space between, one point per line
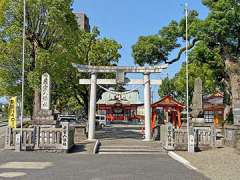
114 81
128 69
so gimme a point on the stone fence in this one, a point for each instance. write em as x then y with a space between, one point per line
177 139
230 135
204 136
42 138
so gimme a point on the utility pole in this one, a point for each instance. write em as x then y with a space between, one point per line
23 69
187 93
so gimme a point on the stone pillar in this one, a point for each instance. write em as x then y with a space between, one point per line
92 106
147 107
65 137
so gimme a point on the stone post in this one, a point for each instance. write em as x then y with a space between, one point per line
17 142
147 107
92 110
65 139
168 137
7 138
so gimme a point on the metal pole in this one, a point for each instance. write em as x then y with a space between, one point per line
23 68
186 14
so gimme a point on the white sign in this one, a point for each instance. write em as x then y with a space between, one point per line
45 92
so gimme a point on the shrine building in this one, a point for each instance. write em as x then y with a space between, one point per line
165 110
122 107
213 108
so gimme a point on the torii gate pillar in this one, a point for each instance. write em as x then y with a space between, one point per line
92 106
147 107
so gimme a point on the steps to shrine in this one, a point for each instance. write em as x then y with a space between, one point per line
130 146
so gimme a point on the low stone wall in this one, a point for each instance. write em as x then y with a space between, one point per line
177 139
229 133
80 134
41 138
205 137
232 137
237 141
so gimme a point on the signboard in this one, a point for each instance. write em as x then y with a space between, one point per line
45 92
12 113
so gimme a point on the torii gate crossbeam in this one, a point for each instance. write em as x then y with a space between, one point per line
120 72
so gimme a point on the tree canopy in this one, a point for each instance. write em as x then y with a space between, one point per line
54 42
214 42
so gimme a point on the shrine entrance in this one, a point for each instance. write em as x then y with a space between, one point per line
120 72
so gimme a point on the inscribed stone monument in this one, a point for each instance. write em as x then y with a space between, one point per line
45 92
44 116
197 104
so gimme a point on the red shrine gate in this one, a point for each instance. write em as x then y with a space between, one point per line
171 109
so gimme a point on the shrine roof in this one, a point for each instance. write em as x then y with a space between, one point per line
125 99
215 98
216 94
167 101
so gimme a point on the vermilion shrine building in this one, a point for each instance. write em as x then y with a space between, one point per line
167 110
119 107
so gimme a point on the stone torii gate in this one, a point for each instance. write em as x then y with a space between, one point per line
120 79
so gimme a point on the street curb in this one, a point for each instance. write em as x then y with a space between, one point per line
182 160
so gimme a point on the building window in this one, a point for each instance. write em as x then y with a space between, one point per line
209 116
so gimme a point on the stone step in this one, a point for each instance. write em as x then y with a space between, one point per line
129 150
142 153
124 147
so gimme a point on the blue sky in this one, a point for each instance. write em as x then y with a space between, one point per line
126 20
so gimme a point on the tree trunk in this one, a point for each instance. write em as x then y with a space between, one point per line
233 71
36 99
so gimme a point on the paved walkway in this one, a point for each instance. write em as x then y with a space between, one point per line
57 166
75 166
116 132
217 164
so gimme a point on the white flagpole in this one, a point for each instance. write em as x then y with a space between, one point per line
23 67
187 93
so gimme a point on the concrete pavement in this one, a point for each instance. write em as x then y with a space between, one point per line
57 166
75 166
217 164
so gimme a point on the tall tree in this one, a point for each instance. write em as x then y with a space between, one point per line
54 42
47 22
219 32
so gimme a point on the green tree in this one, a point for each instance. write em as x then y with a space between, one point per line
218 33
86 48
47 22
54 42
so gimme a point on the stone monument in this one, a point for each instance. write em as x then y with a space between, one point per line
45 116
197 102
